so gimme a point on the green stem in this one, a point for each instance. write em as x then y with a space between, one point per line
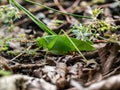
75 15
75 46
36 20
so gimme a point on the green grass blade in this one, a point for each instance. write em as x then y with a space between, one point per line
36 20
77 49
75 15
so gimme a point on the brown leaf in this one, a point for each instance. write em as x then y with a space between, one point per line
22 82
61 83
51 75
75 71
5 64
61 69
112 83
108 56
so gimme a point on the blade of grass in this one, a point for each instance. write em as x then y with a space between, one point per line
75 15
36 20
77 49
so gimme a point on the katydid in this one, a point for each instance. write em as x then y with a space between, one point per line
60 45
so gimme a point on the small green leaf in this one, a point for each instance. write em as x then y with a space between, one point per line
1 42
5 73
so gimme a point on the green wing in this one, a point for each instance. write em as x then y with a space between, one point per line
60 45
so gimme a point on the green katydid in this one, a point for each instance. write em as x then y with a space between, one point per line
60 45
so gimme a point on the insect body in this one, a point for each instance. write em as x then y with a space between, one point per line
60 45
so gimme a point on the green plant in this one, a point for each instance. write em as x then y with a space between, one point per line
98 1
8 14
96 12
3 45
81 32
5 42
95 29
5 73
75 15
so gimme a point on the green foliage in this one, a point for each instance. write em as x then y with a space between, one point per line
96 12
95 29
5 42
60 45
8 14
3 45
98 1
88 32
99 25
81 32
5 73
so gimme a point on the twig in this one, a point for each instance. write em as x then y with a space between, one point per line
5 64
112 83
86 55
26 66
111 73
63 10
70 9
20 54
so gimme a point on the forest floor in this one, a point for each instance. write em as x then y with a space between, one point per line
25 66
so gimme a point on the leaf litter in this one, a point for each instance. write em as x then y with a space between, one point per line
35 69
